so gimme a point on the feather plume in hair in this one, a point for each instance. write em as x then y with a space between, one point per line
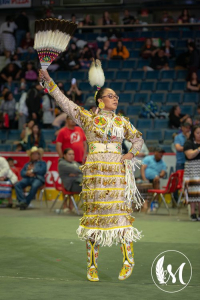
96 74
51 38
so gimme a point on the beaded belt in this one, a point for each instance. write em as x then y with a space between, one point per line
105 148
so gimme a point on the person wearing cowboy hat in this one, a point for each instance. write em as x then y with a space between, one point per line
33 174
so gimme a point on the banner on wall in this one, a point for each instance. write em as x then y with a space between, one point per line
15 3
52 165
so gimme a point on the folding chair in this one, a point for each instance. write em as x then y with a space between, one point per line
169 189
58 188
42 191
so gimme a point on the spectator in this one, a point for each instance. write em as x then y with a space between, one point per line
8 107
106 20
29 73
48 107
14 169
69 172
184 17
128 19
33 102
26 45
193 84
72 136
179 142
14 59
192 174
33 174
19 148
175 117
120 52
196 120
166 19
105 51
10 72
158 62
9 178
2 95
36 138
86 56
154 168
87 21
22 111
22 23
168 49
198 109
74 93
148 49
7 36
26 131
73 19
194 60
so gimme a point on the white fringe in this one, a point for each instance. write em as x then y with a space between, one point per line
96 74
114 130
110 236
132 193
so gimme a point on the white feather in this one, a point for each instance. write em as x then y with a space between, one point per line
160 271
96 74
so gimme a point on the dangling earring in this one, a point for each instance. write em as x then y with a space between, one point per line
101 105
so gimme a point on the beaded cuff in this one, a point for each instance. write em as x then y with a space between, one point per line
50 85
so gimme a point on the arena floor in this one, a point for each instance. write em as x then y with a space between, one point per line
42 258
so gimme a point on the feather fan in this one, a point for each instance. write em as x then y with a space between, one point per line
51 38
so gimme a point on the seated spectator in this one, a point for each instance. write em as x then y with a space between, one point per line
175 117
14 169
73 19
7 107
128 19
74 93
33 103
26 44
120 52
154 168
166 18
48 108
7 179
184 17
168 49
4 91
148 49
193 84
33 174
194 59
87 21
106 20
105 51
36 138
26 131
86 56
72 136
29 73
179 141
69 172
11 71
69 59
14 59
158 62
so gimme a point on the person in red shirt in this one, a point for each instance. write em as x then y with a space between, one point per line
72 136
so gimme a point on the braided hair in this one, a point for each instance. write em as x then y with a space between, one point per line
99 95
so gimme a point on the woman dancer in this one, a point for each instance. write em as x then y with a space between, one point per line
108 181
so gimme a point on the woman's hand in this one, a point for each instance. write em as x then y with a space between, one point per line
44 75
129 156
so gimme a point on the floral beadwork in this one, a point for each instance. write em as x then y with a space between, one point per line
92 147
100 121
118 121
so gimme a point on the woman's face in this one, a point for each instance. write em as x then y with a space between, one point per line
178 110
35 129
194 76
69 156
10 96
106 14
197 134
109 99
29 67
188 120
11 68
119 44
30 124
167 43
148 42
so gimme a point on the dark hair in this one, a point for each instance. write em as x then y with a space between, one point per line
7 95
32 135
172 110
194 128
67 150
99 95
192 44
10 159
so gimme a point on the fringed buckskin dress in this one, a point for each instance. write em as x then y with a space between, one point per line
107 216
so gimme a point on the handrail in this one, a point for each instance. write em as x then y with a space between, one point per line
139 25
